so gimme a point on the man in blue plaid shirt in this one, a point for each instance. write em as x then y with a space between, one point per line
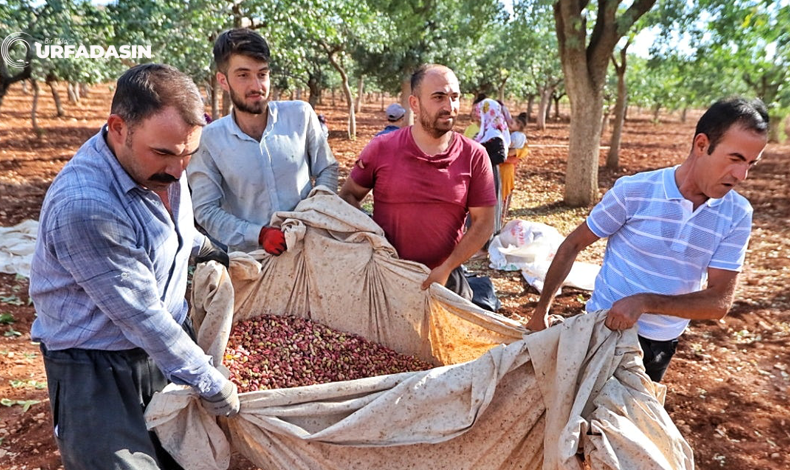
109 276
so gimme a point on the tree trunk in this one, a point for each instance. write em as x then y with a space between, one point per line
556 100
215 94
53 86
584 67
656 110
605 121
84 90
360 92
543 107
333 97
776 131
405 91
581 180
530 104
7 80
34 108
501 91
352 121
613 156
315 91
225 103
73 92
684 114
381 99
25 90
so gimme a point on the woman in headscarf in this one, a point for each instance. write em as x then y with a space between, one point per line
517 152
495 137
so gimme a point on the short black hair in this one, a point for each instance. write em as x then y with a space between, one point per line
419 75
243 41
147 89
480 97
751 115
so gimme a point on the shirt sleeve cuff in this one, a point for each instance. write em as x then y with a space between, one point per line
251 234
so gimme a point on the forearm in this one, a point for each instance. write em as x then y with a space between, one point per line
558 271
473 240
225 227
707 304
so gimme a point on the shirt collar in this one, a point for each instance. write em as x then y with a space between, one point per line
234 128
672 191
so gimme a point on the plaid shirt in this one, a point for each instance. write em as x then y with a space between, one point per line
110 267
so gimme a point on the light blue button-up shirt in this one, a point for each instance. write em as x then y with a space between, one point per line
238 182
110 267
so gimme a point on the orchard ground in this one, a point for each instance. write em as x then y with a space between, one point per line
728 385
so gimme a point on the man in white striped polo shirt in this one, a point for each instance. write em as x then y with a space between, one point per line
669 231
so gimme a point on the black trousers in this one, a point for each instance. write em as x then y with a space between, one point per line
97 399
657 355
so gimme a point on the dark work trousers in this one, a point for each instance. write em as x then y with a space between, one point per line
497 153
657 355
457 283
97 399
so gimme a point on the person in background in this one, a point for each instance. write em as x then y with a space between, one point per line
495 137
324 127
264 157
506 113
517 152
474 126
426 179
109 277
677 236
395 116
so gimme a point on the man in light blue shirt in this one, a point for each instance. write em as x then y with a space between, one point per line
264 157
669 231
109 276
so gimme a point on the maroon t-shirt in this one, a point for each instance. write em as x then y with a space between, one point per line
421 200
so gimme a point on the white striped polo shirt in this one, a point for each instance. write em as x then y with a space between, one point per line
659 244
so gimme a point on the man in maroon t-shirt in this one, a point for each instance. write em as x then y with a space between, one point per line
425 179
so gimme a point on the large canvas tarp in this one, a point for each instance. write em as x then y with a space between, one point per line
498 398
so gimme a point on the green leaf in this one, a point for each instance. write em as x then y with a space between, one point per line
7 318
12 332
11 300
25 404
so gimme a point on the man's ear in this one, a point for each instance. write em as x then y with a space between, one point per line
701 144
222 79
117 128
414 104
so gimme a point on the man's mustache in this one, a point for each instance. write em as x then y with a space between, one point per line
163 178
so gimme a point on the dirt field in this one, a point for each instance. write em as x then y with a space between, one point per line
728 385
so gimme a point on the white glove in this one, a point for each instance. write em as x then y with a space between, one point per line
223 403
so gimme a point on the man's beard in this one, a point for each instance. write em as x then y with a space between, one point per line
241 105
430 124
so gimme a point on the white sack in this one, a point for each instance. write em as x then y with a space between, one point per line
486 408
530 247
17 245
